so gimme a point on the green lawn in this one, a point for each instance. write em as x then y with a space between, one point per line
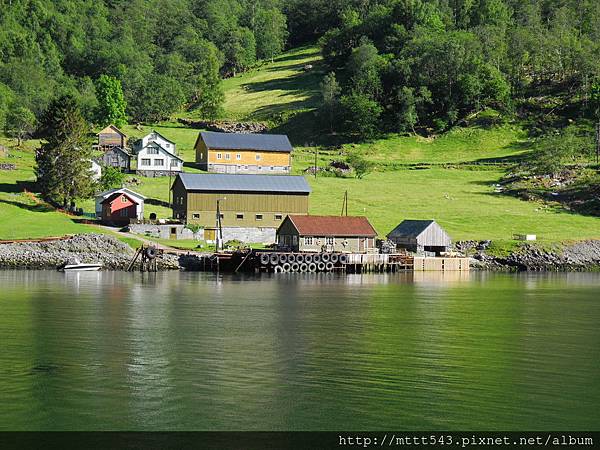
262 94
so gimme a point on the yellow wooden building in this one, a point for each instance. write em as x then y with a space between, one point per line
243 153
244 201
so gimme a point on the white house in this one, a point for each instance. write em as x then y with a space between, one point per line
158 138
138 198
96 170
155 160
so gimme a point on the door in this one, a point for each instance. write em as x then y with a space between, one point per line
209 234
173 233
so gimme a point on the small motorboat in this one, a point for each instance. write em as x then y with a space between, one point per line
77 266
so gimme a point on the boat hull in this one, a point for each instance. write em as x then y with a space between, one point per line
81 268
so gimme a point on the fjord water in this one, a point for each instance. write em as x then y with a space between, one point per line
193 351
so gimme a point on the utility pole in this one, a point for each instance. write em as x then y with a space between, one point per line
316 154
170 199
219 231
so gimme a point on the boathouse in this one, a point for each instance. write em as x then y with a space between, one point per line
251 207
421 236
326 234
243 153
119 206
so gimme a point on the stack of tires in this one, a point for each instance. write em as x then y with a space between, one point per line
302 262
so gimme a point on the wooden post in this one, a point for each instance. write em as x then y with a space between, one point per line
316 154
598 142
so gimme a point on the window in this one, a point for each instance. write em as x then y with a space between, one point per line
238 156
152 151
308 240
330 240
272 167
259 167
123 199
227 156
201 155
259 217
124 212
245 167
167 145
174 163
278 217
159 162
294 240
219 156
181 200
257 157
239 216
195 216
145 161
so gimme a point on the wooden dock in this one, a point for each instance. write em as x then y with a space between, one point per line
299 262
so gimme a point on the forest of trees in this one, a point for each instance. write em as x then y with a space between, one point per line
398 64
163 55
393 65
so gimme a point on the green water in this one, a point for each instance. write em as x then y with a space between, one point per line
190 351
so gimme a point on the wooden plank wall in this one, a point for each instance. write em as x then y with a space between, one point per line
441 264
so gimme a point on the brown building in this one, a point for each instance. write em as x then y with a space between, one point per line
118 158
243 153
111 137
326 233
245 201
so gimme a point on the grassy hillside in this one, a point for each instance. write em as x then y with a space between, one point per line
441 178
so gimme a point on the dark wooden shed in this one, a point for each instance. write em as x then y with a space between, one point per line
117 157
420 236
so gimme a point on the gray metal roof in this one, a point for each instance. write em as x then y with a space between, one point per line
242 141
411 228
246 183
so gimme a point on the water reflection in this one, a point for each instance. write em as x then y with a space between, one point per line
310 351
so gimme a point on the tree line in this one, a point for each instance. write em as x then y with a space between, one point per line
399 64
138 59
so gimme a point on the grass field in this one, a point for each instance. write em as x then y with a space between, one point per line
460 198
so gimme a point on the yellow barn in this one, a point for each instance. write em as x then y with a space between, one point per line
243 153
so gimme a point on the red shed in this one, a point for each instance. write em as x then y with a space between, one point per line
119 208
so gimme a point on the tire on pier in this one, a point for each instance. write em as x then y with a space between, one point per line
278 269
291 258
325 257
308 259
286 267
334 258
303 267
320 266
294 267
312 267
264 259
299 258
274 259
317 258
329 266
343 259
283 258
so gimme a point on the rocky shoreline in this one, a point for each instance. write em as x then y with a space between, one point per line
581 256
116 255
87 248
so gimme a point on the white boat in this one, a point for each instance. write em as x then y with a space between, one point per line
76 265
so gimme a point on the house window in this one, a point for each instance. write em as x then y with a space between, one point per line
167 145
245 167
330 240
257 157
195 216
123 199
145 161
259 217
239 216
294 240
124 212
201 155
308 240
181 200
174 163
278 217
272 167
219 156
238 156
227 156
159 162
152 151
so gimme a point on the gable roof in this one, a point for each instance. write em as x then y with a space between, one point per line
411 228
119 149
156 132
246 141
116 195
110 128
332 225
156 144
108 193
245 183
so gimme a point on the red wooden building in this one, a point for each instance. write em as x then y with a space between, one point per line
119 208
